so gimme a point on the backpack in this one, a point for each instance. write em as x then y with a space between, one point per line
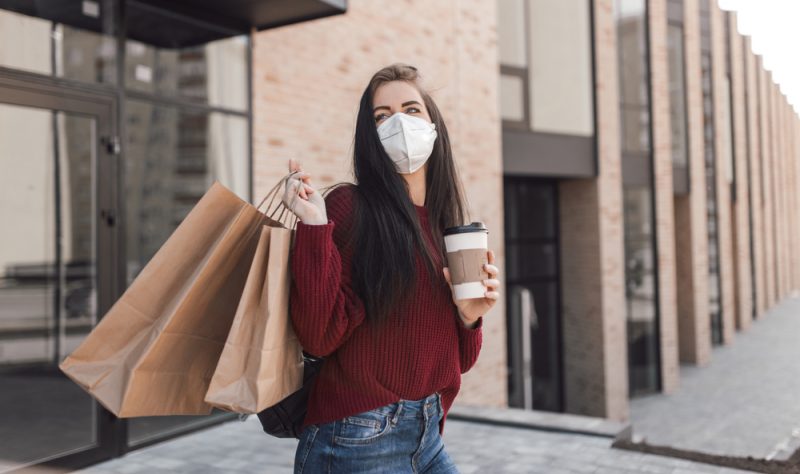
285 419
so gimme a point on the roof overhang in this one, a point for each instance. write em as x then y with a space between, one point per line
181 23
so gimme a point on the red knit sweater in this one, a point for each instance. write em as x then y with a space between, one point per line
423 348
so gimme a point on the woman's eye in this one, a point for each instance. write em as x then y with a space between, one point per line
412 110
380 117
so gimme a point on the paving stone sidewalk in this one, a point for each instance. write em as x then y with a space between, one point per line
240 447
746 402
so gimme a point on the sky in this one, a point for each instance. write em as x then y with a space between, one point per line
774 26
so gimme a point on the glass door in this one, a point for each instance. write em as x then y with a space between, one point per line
534 294
56 254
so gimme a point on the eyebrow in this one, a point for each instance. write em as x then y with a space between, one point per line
403 105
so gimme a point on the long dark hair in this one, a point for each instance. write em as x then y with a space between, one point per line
386 226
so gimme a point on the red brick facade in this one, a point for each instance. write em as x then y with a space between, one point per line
308 78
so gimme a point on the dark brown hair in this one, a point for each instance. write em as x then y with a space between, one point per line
386 226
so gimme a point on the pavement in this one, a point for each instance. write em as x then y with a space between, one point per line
241 447
745 403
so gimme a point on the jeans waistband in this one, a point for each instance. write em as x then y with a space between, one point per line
412 408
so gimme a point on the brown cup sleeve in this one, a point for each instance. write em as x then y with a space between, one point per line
466 265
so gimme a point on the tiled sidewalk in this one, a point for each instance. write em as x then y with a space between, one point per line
745 403
239 448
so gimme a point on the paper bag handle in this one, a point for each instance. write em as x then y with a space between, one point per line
271 194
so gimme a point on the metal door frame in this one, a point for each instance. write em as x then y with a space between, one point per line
21 89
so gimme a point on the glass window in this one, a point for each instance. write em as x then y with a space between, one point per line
172 157
633 76
638 218
714 281
48 279
214 73
46 46
677 94
640 291
727 132
561 84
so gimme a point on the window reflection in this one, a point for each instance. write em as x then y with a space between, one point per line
677 95
214 73
634 94
55 49
47 280
640 287
638 218
714 283
173 155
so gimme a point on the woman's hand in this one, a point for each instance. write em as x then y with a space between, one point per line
469 310
302 199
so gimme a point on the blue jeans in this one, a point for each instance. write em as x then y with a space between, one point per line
398 437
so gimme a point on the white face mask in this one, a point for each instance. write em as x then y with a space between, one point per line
407 140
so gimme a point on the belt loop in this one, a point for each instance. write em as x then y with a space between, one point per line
396 415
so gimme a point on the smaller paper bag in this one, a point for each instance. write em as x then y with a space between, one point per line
262 361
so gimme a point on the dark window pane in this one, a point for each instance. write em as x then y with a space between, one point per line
640 287
532 210
532 260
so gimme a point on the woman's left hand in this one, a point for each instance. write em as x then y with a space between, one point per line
469 310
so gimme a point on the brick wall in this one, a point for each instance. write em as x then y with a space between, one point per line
741 214
691 225
663 189
754 168
767 144
308 78
592 254
759 193
721 144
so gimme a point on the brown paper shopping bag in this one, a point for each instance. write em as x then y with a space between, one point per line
155 350
262 362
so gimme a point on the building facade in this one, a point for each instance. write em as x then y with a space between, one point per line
115 118
632 151
636 166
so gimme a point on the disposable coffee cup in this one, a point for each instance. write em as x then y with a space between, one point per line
466 247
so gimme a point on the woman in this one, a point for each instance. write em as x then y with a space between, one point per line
371 295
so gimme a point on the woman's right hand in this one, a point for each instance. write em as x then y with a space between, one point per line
302 199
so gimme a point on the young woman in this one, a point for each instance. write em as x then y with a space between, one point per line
371 294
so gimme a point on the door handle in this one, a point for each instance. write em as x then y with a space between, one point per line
109 217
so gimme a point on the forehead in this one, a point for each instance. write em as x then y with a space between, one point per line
394 93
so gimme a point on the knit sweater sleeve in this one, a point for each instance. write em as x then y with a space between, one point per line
469 344
325 310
